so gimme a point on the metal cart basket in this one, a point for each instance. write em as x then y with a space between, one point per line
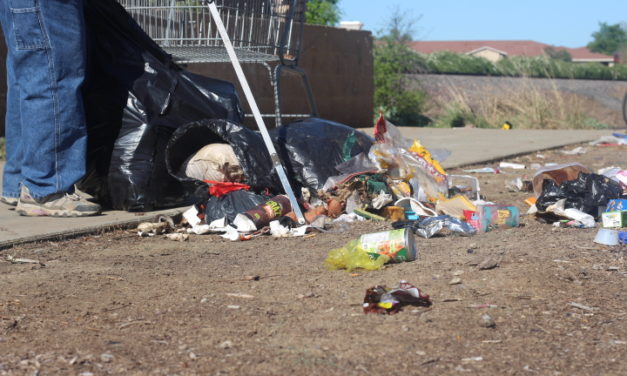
267 32
246 31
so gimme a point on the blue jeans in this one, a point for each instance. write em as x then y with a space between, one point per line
45 129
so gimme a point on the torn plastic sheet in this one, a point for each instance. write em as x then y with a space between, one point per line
404 159
430 226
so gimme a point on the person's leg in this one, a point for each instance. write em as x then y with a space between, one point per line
49 62
12 176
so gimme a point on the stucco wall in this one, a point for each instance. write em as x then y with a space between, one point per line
339 65
490 55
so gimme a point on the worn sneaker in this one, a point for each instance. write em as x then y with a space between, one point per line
56 205
11 201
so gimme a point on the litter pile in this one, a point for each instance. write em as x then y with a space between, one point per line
389 178
353 179
164 137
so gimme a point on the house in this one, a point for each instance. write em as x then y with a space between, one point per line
495 50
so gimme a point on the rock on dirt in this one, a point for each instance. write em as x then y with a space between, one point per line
487 321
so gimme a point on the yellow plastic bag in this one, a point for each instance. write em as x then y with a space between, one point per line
353 256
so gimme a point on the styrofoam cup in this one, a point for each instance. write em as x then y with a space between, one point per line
606 236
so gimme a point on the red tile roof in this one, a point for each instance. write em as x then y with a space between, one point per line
510 47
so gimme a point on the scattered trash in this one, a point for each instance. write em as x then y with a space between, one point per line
371 251
613 140
430 226
587 192
485 305
163 225
515 166
579 218
617 174
177 237
583 307
617 205
488 217
576 151
394 213
404 159
417 207
383 300
455 206
466 185
455 281
261 215
16 260
239 295
353 256
484 170
606 237
213 162
472 359
519 185
368 215
152 229
614 219
557 173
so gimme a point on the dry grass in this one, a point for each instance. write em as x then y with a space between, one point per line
526 105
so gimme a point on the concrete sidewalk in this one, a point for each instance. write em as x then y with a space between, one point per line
467 146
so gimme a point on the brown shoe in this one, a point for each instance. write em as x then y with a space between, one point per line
55 205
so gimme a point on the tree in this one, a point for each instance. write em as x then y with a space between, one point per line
395 94
556 54
609 39
322 12
400 28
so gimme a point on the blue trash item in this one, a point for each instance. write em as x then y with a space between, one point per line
622 237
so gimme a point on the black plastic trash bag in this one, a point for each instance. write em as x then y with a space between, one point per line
309 149
135 97
232 204
312 148
586 193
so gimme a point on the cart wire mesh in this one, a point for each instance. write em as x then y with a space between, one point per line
260 30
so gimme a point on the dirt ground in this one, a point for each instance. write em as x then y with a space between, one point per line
119 304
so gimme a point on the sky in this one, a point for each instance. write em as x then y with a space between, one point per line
567 23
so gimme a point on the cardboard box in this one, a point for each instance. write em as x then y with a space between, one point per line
614 219
616 205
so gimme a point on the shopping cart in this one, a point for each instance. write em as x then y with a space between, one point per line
267 32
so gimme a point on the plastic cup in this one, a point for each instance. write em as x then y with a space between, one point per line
606 237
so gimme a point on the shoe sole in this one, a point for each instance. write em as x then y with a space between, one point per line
28 210
8 201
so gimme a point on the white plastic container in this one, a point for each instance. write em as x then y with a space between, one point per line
606 237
